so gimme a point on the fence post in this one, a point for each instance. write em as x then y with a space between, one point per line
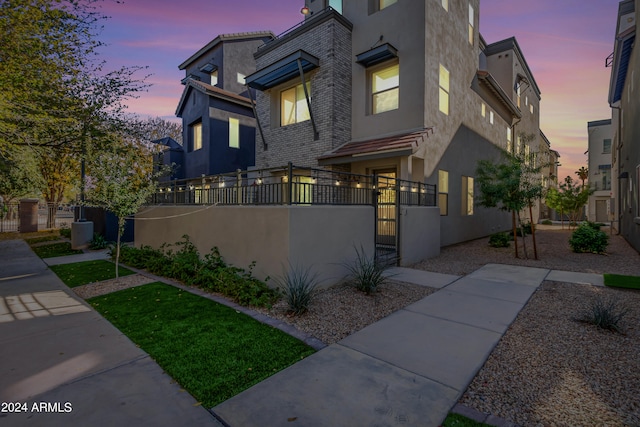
290 182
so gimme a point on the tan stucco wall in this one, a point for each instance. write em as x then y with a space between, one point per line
419 233
319 237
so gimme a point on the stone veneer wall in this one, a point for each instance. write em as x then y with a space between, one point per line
328 39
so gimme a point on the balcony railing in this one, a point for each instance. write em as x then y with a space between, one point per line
292 185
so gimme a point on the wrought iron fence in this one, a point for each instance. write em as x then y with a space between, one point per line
49 216
292 185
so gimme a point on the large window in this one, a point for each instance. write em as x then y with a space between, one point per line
196 136
336 5
385 89
293 105
444 89
234 133
443 192
467 195
385 3
606 146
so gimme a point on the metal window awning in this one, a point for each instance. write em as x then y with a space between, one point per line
208 68
282 70
625 55
377 55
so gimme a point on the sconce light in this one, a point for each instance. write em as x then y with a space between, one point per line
304 11
337 182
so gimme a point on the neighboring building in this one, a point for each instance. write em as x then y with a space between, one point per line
216 108
548 160
348 91
600 203
172 155
624 98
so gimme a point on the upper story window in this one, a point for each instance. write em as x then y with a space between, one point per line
444 90
467 196
293 105
472 17
385 89
336 5
196 136
214 77
509 140
241 78
483 110
443 192
445 4
518 88
385 3
606 146
234 133
491 117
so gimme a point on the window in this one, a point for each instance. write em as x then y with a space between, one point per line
518 93
241 78
444 90
385 89
606 146
531 108
336 5
472 16
526 100
509 141
234 133
385 3
214 78
467 195
196 136
445 4
293 105
491 117
483 110
443 192
605 171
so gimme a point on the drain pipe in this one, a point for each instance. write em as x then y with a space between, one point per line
619 201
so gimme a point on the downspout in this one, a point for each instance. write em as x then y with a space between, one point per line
619 201
316 135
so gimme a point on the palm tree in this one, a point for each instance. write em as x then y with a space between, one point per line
583 174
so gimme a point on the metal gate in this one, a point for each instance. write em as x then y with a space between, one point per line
387 211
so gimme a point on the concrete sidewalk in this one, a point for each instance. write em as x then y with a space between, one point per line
409 368
58 354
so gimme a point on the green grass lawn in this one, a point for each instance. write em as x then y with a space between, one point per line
211 350
456 420
81 273
620 281
48 238
54 250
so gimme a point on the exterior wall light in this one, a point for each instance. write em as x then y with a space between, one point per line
304 11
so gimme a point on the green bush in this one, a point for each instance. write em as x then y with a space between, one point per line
499 240
65 231
184 264
366 273
587 238
547 222
98 242
298 286
604 313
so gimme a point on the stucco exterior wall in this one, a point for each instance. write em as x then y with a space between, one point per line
598 132
319 237
419 233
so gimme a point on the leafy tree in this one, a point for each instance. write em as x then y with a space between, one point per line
157 128
59 170
121 180
511 184
19 176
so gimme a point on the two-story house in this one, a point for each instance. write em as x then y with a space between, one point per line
599 206
216 109
624 99
397 89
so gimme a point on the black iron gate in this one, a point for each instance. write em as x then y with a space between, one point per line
387 211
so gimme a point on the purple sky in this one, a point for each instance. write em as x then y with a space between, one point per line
565 43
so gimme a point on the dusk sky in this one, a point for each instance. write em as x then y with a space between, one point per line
565 43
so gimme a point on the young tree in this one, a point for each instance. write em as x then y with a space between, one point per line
569 198
121 180
511 184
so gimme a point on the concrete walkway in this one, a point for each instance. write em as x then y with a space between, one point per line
60 355
409 368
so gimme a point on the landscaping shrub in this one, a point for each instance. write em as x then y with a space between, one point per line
547 222
366 273
184 264
298 286
604 313
587 238
499 240
65 231
98 242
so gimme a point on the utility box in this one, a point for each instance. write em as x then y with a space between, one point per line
28 211
81 234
